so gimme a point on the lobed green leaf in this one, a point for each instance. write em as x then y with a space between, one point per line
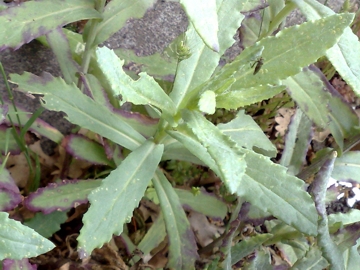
144 91
18 241
113 202
223 151
286 53
80 109
345 53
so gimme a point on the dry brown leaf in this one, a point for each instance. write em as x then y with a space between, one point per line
283 120
18 169
48 161
205 232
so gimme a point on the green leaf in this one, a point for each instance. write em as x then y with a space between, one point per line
80 109
223 151
188 139
308 91
289 202
116 14
47 225
339 220
61 196
83 148
246 96
60 47
200 203
182 245
262 260
352 257
154 236
201 64
36 18
207 102
347 167
246 133
286 53
144 91
247 246
18 241
311 261
175 150
345 54
155 65
203 16
296 143
113 202
344 120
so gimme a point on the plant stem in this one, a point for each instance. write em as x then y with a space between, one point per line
18 138
279 18
89 42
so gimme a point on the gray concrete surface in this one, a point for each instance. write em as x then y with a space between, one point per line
160 25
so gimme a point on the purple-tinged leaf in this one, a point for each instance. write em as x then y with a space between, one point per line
83 148
319 185
61 196
143 124
18 241
39 126
23 264
347 237
80 109
9 192
182 245
8 200
225 248
60 47
330 250
344 120
25 22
